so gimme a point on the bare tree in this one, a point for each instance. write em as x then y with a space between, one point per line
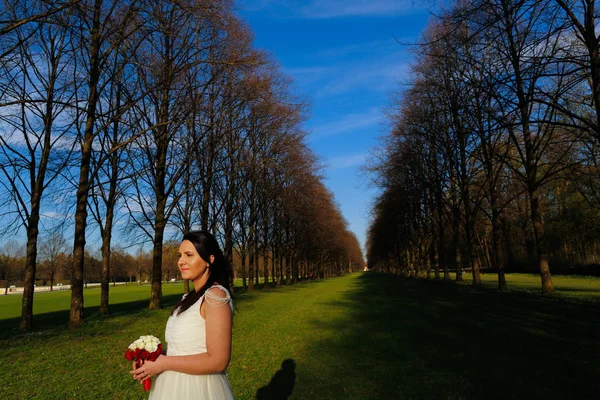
15 15
37 145
101 27
52 251
11 257
108 165
528 52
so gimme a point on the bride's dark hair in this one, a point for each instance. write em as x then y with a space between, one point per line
220 271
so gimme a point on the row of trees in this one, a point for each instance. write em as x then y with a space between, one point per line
492 154
156 117
54 264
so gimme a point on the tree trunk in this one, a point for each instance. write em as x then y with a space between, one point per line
436 263
30 267
273 277
251 265
251 238
474 259
547 286
228 246
256 261
531 160
206 192
104 287
281 275
441 229
288 269
265 266
107 238
276 243
457 252
76 312
497 248
244 275
6 283
469 216
265 247
37 190
427 256
156 290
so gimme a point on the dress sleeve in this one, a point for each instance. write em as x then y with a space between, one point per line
217 298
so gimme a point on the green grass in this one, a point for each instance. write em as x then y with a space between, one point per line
583 287
362 336
45 302
51 309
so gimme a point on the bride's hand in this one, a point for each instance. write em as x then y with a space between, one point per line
137 371
148 369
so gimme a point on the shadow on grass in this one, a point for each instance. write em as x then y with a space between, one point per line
422 339
57 320
281 385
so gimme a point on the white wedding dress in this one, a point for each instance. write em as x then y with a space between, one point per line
186 334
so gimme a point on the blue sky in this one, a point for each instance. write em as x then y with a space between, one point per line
346 57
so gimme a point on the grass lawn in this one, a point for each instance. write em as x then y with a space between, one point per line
361 336
52 308
584 287
59 302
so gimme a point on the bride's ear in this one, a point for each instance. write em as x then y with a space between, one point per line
211 259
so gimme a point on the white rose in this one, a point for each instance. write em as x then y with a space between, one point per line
146 342
151 347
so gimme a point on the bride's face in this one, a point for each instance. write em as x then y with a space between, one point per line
191 265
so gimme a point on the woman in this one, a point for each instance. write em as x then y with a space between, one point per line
198 332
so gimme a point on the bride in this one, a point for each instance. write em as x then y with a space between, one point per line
198 332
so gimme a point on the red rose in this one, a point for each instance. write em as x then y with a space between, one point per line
138 355
155 354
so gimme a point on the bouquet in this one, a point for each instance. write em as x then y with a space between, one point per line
145 348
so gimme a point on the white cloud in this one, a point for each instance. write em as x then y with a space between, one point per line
366 75
253 5
330 8
54 215
345 8
309 75
307 71
370 66
346 161
348 123
382 76
377 48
